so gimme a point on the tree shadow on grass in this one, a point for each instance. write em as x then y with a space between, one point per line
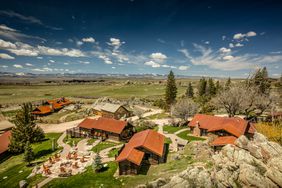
43 153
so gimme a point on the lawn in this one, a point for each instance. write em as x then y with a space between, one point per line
103 145
171 129
113 152
15 169
17 94
184 135
89 179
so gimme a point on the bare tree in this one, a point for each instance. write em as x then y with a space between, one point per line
243 99
184 108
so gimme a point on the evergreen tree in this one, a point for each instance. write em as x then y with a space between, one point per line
211 89
217 86
28 153
190 91
97 163
171 90
25 130
202 87
260 79
228 83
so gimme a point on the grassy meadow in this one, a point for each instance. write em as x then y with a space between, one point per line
17 94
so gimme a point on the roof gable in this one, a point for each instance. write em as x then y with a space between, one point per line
148 139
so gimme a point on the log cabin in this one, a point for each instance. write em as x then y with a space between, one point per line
144 148
106 128
109 110
222 130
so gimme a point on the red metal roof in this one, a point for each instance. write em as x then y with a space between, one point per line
42 110
235 126
148 139
5 141
105 124
223 140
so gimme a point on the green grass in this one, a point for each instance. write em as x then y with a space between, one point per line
171 129
103 145
13 165
158 116
168 140
89 179
113 152
53 118
17 94
72 141
184 135
91 141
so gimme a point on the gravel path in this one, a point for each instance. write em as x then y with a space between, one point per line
66 147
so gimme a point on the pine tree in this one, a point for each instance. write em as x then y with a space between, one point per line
28 153
260 79
190 91
97 163
171 90
228 83
211 89
202 87
217 86
25 130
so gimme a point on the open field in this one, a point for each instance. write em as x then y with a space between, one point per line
17 94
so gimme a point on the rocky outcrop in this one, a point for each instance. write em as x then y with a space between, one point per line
248 163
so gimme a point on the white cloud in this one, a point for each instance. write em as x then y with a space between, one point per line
6 56
52 61
24 52
39 57
60 52
158 57
28 19
4 66
84 62
7 45
223 37
225 50
18 66
183 68
89 39
207 42
29 64
251 34
113 67
240 36
231 45
79 43
4 27
228 57
106 59
239 45
66 63
116 43
152 64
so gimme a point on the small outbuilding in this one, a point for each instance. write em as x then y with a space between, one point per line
109 110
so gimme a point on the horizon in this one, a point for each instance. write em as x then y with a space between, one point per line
207 38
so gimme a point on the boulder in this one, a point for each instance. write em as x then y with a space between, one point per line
242 142
22 184
274 170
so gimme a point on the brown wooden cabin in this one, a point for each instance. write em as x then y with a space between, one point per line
114 111
106 128
5 142
143 149
222 130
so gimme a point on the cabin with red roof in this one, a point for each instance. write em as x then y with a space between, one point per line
106 128
4 142
223 130
145 148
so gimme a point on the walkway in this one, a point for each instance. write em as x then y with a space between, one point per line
104 153
66 147
44 182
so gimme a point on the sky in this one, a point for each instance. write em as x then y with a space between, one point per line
217 38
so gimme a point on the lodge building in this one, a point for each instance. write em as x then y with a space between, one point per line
222 130
103 128
144 148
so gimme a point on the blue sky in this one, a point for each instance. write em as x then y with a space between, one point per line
193 38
